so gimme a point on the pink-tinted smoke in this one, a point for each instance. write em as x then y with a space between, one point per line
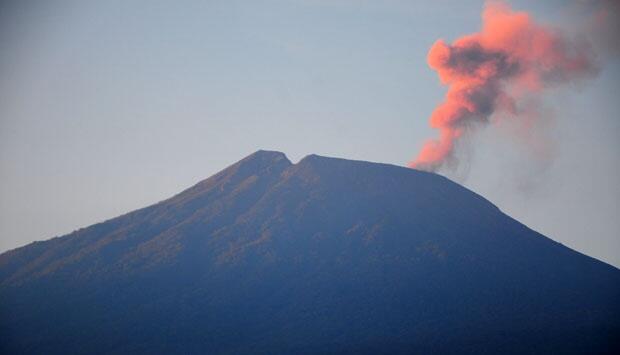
491 71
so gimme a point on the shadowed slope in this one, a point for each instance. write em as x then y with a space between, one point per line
327 255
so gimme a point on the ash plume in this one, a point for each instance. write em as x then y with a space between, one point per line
496 72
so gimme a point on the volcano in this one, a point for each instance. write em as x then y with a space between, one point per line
323 256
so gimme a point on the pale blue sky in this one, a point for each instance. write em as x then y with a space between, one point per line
108 106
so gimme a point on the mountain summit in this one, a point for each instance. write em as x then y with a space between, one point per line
323 256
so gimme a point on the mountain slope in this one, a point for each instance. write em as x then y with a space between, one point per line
326 255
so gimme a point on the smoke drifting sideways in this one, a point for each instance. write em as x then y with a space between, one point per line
494 73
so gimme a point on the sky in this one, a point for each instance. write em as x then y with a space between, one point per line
109 106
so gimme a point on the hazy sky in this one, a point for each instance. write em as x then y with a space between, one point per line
109 106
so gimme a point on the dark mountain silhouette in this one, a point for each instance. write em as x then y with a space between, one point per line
323 256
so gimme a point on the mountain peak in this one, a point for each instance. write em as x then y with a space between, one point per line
320 161
324 256
263 159
260 162
260 165
267 156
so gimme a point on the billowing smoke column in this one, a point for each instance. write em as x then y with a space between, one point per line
492 71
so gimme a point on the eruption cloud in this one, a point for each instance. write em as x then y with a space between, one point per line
495 71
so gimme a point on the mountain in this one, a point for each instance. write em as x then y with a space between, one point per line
323 256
